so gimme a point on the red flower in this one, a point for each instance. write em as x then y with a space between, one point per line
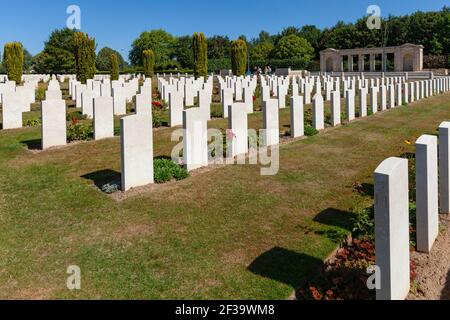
157 104
254 98
74 120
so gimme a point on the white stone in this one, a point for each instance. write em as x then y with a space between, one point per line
136 151
374 99
204 103
248 99
426 192
391 92
176 108
271 126
143 105
444 168
392 229
103 118
54 128
53 94
383 97
363 102
238 130
335 108
120 103
227 100
87 103
318 120
297 117
12 109
195 142
350 105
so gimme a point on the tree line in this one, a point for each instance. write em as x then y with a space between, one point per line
293 46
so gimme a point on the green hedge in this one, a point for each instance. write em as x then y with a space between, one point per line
215 65
295 64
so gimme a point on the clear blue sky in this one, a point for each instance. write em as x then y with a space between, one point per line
116 23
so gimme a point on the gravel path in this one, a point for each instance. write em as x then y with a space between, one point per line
433 270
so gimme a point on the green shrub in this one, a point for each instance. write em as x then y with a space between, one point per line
84 57
200 55
13 61
239 57
40 94
79 132
157 118
148 59
364 224
310 131
215 65
164 170
114 67
33 123
295 64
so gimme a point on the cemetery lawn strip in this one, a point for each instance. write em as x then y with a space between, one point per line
226 234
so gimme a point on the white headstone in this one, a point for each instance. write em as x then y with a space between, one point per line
426 192
350 105
335 108
136 151
12 109
271 126
54 128
297 117
103 118
238 130
318 120
195 142
444 168
392 229
176 108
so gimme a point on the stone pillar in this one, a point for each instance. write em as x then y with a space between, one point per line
350 63
426 192
372 63
444 168
392 229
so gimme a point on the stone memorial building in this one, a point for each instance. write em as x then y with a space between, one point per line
406 58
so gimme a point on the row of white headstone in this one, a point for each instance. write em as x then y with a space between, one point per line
392 221
195 135
15 100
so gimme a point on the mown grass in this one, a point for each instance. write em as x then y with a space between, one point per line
229 233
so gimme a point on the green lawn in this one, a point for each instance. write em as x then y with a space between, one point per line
228 233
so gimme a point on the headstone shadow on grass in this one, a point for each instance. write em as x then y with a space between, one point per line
286 266
342 221
35 144
103 177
